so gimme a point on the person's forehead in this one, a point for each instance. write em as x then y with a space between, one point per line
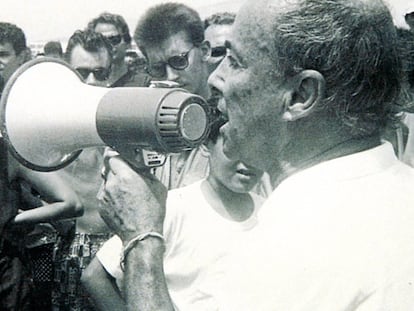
7 47
252 30
86 59
106 29
217 34
174 45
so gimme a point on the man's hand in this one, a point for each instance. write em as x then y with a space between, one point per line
132 201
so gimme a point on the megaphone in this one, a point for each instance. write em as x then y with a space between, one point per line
49 115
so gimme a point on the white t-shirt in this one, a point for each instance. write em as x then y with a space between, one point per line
197 242
336 236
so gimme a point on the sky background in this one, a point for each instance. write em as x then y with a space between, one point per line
44 20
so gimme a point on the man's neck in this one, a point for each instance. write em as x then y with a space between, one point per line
229 204
117 71
309 150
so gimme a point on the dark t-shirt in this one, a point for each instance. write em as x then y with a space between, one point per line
132 79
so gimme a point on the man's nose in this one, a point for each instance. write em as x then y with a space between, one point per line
215 80
172 74
91 79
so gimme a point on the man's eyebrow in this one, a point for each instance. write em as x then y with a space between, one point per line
233 52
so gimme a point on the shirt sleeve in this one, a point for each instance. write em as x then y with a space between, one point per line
109 255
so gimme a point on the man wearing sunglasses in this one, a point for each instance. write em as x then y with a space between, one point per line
216 29
90 54
171 37
114 28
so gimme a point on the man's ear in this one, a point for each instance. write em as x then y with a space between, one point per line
306 93
205 50
24 56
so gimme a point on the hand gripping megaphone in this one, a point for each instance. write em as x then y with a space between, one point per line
48 115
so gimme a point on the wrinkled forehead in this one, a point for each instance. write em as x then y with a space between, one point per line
174 44
259 17
87 59
250 32
256 23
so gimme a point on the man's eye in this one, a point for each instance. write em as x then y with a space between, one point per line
4 54
233 62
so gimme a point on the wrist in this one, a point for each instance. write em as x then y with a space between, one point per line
146 252
147 244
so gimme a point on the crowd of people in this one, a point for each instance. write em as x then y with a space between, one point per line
299 198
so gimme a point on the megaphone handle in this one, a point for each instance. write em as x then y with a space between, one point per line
138 158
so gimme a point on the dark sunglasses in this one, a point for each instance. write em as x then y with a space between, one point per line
114 40
101 74
218 51
177 62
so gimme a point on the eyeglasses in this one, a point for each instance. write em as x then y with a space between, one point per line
177 62
100 74
114 40
218 51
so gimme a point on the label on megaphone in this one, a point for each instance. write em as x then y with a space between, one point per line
152 158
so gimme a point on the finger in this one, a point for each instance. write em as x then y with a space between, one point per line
108 154
104 172
101 192
109 151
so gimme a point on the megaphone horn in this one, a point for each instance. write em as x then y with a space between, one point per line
49 115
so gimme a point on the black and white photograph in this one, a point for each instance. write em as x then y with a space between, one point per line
222 155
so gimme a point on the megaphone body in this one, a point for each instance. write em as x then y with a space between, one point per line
49 115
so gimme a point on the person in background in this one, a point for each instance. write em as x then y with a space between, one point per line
336 233
194 252
406 47
409 16
90 55
114 28
216 29
19 188
171 37
53 49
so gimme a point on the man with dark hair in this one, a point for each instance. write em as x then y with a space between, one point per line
13 51
171 36
336 233
53 49
409 15
406 44
216 29
90 54
114 28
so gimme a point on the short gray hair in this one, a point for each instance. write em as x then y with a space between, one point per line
353 44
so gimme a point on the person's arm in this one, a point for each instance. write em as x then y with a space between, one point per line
62 201
102 287
145 262
133 204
